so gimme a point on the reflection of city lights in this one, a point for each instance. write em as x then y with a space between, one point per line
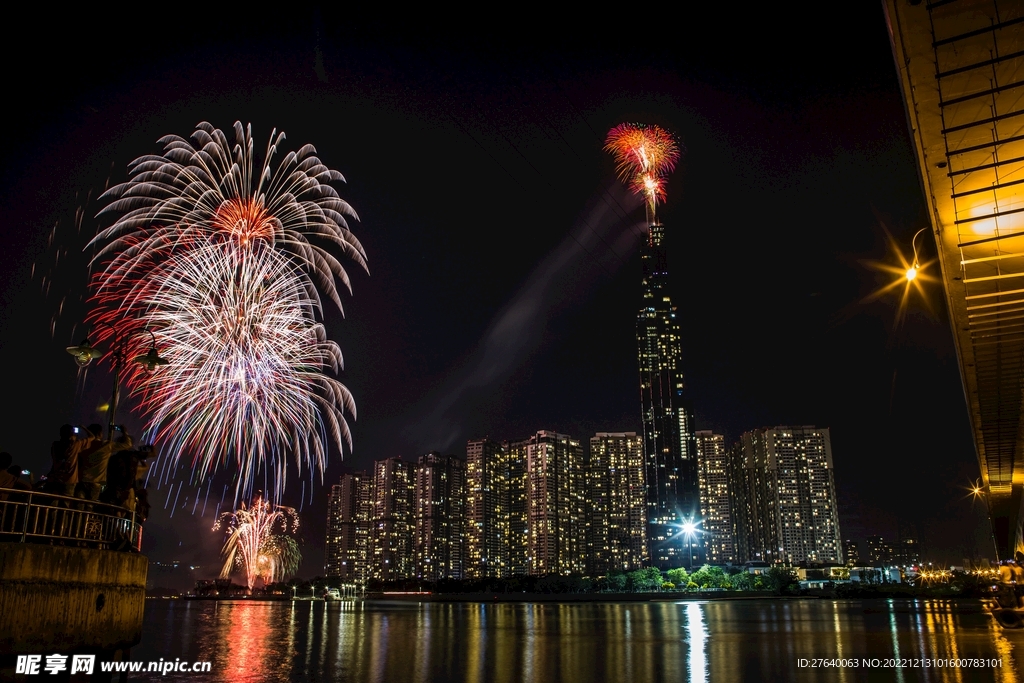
697 632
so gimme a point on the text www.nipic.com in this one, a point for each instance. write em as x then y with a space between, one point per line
34 665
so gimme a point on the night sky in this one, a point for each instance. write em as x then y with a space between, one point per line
504 256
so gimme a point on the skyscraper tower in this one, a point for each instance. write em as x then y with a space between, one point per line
350 509
644 155
487 509
555 510
670 452
393 522
791 511
438 517
617 527
716 499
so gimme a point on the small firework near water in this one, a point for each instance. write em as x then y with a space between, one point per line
644 156
259 542
222 256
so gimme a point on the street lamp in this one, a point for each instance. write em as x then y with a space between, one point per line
915 265
85 353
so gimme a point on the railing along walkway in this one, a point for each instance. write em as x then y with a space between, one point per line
36 517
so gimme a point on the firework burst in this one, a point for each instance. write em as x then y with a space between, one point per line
246 366
644 156
259 542
206 188
279 558
223 257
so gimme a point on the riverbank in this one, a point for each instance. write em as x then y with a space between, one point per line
841 592
566 597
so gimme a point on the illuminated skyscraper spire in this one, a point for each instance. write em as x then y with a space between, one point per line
673 494
644 155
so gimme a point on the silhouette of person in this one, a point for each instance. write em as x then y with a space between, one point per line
63 474
93 461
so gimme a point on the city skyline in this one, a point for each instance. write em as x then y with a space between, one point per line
530 321
544 505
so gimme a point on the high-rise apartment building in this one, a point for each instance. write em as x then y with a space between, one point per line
555 512
615 493
907 551
880 551
790 501
669 449
438 536
487 509
392 525
518 546
740 506
851 551
348 527
717 531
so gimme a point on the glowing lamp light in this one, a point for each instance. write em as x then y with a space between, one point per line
689 528
151 360
84 353
912 272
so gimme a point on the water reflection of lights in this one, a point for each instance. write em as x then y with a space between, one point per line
528 651
247 649
422 657
895 640
474 653
629 647
1004 650
504 643
697 638
839 641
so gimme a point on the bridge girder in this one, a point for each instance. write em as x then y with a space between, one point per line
961 70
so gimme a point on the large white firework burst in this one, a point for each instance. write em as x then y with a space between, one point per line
208 188
245 378
222 257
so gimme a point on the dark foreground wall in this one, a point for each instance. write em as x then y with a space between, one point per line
60 599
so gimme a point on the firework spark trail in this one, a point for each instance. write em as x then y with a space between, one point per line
258 541
644 156
223 258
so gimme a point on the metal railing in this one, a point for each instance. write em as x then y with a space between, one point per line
36 517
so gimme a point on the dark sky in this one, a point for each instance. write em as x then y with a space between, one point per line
504 263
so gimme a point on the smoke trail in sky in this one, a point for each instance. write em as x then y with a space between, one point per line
565 274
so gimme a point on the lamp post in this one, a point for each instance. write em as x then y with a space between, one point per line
84 353
915 265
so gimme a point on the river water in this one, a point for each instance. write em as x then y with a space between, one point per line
725 640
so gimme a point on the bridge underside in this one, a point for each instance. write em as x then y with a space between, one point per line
961 68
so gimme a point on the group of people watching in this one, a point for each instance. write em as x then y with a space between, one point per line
89 467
